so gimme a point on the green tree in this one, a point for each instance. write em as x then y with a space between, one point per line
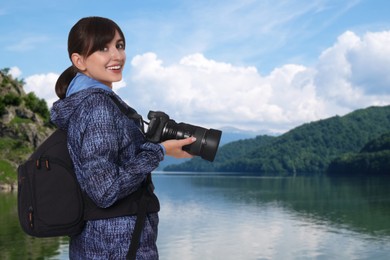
37 105
11 100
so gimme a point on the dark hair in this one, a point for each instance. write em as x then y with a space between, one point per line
86 36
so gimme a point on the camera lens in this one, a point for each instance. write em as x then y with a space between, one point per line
207 140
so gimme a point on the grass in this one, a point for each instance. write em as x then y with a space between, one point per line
7 172
11 153
19 120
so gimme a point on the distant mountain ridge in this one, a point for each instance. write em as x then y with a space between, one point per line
304 150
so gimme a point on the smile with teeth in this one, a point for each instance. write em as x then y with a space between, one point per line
117 67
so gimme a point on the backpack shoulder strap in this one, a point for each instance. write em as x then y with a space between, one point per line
141 216
142 207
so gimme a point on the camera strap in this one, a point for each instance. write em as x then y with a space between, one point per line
130 113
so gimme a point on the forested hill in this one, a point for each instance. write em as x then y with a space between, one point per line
305 150
373 159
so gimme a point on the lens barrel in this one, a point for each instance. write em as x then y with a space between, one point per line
207 140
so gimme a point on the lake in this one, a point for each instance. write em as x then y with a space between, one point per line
209 216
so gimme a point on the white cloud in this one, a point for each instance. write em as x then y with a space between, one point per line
349 75
15 72
203 91
118 85
369 59
43 86
353 72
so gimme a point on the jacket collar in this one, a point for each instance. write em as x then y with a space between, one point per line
81 82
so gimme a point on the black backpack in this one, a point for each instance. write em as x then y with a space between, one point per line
51 203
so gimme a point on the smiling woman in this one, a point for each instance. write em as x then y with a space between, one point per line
106 64
94 56
111 156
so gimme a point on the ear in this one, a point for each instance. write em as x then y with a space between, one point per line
78 61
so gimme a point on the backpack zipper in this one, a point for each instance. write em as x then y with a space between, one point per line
31 217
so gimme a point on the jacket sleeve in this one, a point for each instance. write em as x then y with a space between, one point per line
114 157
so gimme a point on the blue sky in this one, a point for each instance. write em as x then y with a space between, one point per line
254 65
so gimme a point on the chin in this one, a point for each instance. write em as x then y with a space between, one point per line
116 78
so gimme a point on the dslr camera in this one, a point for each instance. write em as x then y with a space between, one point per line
161 128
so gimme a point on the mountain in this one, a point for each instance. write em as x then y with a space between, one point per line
24 124
373 159
231 134
305 150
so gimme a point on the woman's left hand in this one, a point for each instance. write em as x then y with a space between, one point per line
174 147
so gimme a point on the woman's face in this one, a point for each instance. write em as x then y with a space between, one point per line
106 65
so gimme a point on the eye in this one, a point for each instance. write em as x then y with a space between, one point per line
104 49
120 45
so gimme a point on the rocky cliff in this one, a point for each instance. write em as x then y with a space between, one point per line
24 124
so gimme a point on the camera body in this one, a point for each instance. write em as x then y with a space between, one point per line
162 128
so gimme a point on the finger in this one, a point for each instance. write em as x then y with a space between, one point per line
188 140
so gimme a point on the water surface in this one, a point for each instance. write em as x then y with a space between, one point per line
208 216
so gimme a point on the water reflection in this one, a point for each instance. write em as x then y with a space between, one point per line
205 217
231 217
362 204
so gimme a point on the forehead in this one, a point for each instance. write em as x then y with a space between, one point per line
117 37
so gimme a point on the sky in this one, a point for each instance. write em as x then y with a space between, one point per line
263 66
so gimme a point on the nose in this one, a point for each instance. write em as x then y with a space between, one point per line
116 54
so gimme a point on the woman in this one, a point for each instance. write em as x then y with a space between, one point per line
111 156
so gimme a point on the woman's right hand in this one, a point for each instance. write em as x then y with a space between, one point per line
174 147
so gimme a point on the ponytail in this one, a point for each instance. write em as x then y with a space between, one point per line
64 80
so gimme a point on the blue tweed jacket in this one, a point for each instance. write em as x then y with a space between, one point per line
111 159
